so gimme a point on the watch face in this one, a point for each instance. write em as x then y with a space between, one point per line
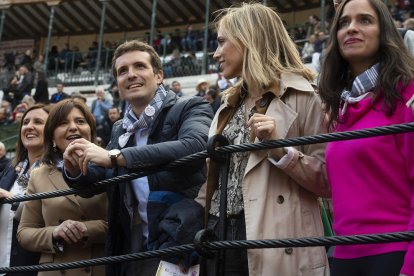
114 153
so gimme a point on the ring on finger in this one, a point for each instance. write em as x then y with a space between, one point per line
258 123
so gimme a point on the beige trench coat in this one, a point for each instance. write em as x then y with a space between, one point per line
41 217
283 202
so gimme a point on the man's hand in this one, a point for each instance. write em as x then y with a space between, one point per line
5 194
81 152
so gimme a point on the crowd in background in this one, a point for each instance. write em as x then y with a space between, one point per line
248 112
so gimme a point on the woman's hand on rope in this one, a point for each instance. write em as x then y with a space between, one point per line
70 231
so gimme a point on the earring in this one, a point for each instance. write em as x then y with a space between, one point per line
54 147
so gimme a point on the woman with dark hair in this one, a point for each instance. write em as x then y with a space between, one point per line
366 81
67 228
14 182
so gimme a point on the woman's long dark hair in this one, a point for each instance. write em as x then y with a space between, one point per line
396 65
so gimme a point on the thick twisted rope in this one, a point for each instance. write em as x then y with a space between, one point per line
217 245
297 141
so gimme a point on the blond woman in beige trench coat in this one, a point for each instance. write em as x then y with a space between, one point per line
67 228
279 187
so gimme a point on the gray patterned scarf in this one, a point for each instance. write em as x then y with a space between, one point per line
362 85
132 124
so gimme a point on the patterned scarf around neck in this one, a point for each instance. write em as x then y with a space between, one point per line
132 124
361 87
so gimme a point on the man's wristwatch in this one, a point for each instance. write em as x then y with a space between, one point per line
113 155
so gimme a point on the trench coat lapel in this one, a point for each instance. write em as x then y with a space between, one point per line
59 183
284 116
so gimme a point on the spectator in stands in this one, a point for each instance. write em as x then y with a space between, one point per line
39 65
12 93
409 24
313 24
19 111
222 83
14 182
213 97
366 79
27 58
101 104
180 129
67 228
281 186
202 87
308 49
176 88
112 117
76 58
59 95
318 47
53 57
188 42
99 109
78 96
4 160
92 55
6 113
42 89
25 81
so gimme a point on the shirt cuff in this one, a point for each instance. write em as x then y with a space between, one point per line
69 177
285 160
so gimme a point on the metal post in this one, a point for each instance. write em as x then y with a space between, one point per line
100 39
323 12
205 57
3 17
49 34
153 18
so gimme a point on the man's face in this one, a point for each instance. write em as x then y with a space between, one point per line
22 70
59 88
113 114
176 87
136 79
204 86
100 94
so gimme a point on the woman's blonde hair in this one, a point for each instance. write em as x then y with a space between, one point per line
268 50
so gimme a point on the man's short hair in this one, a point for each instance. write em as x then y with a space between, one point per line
135 45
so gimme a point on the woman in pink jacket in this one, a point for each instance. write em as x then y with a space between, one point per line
366 81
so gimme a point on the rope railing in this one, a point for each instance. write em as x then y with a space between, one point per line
297 141
218 245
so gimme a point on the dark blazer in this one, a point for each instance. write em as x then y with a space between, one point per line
18 255
179 129
42 92
55 97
